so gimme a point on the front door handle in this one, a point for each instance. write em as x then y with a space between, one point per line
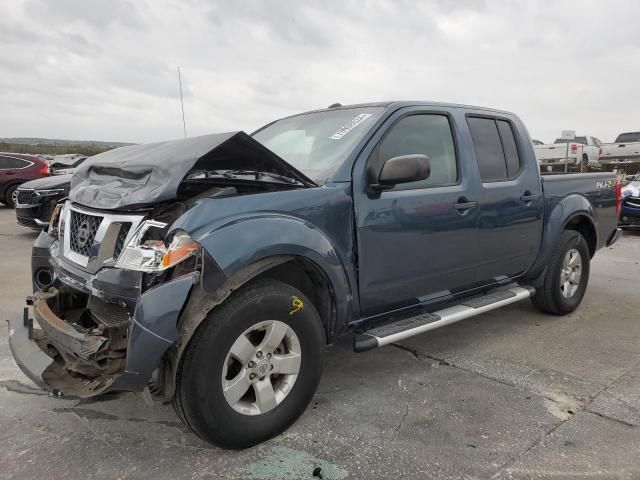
463 206
528 197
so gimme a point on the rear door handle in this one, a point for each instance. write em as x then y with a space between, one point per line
529 197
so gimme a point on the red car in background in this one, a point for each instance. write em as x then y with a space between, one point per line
15 169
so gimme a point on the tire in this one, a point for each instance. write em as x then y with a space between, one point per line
9 196
585 163
560 297
208 365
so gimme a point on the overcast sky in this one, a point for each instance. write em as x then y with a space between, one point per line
106 70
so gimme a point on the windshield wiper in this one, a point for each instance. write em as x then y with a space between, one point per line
258 175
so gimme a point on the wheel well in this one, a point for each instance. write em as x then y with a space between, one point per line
307 277
7 187
583 225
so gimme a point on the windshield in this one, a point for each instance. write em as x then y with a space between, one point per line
581 140
628 137
317 143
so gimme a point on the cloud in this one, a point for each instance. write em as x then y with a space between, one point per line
106 70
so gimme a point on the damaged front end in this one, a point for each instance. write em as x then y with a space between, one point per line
112 276
80 351
91 333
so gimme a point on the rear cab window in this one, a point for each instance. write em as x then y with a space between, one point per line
495 147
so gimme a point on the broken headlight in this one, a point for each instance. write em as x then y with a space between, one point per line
156 255
56 215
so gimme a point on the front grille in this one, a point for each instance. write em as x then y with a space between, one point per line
82 232
108 314
122 236
24 197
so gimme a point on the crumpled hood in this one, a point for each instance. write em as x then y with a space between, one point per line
145 174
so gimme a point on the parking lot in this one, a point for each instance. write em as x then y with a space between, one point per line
509 394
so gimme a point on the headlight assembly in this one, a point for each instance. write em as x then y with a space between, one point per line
156 255
48 193
54 220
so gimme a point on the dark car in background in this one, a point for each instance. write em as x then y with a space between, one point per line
35 200
16 169
630 208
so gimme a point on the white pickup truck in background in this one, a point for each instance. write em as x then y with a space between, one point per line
624 151
580 154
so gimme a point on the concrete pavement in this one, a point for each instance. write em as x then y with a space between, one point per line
510 394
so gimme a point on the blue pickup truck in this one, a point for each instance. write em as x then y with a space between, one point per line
215 270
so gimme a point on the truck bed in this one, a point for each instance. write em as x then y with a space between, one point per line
597 188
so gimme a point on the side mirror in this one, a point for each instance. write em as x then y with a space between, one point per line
402 169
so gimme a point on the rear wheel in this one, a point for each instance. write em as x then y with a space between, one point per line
252 366
11 196
567 276
585 163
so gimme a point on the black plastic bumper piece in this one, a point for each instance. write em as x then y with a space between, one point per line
25 351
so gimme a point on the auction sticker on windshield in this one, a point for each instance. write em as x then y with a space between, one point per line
350 125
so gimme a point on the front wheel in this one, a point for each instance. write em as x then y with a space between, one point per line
252 366
567 276
11 196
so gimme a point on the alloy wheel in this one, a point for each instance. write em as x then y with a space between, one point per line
261 367
570 273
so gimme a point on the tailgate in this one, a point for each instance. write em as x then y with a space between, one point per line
558 152
621 151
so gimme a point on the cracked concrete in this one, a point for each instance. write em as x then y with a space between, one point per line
510 394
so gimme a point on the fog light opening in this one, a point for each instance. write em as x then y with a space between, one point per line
44 278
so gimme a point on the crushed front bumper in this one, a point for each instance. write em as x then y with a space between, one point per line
71 359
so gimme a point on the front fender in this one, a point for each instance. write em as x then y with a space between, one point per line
244 241
560 214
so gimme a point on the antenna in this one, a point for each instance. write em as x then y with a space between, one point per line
184 124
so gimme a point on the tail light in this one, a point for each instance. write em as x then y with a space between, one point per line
574 148
44 169
618 190
600 152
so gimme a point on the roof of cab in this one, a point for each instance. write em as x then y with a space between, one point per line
395 104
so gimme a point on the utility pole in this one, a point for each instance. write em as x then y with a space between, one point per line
184 123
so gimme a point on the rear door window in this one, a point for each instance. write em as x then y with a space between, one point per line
495 147
12 162
489 153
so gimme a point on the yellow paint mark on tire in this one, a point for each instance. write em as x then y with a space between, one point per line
297 305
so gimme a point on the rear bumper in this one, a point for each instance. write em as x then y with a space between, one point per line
613 237
619 161
71 358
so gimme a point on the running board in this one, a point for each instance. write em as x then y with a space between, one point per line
402 329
